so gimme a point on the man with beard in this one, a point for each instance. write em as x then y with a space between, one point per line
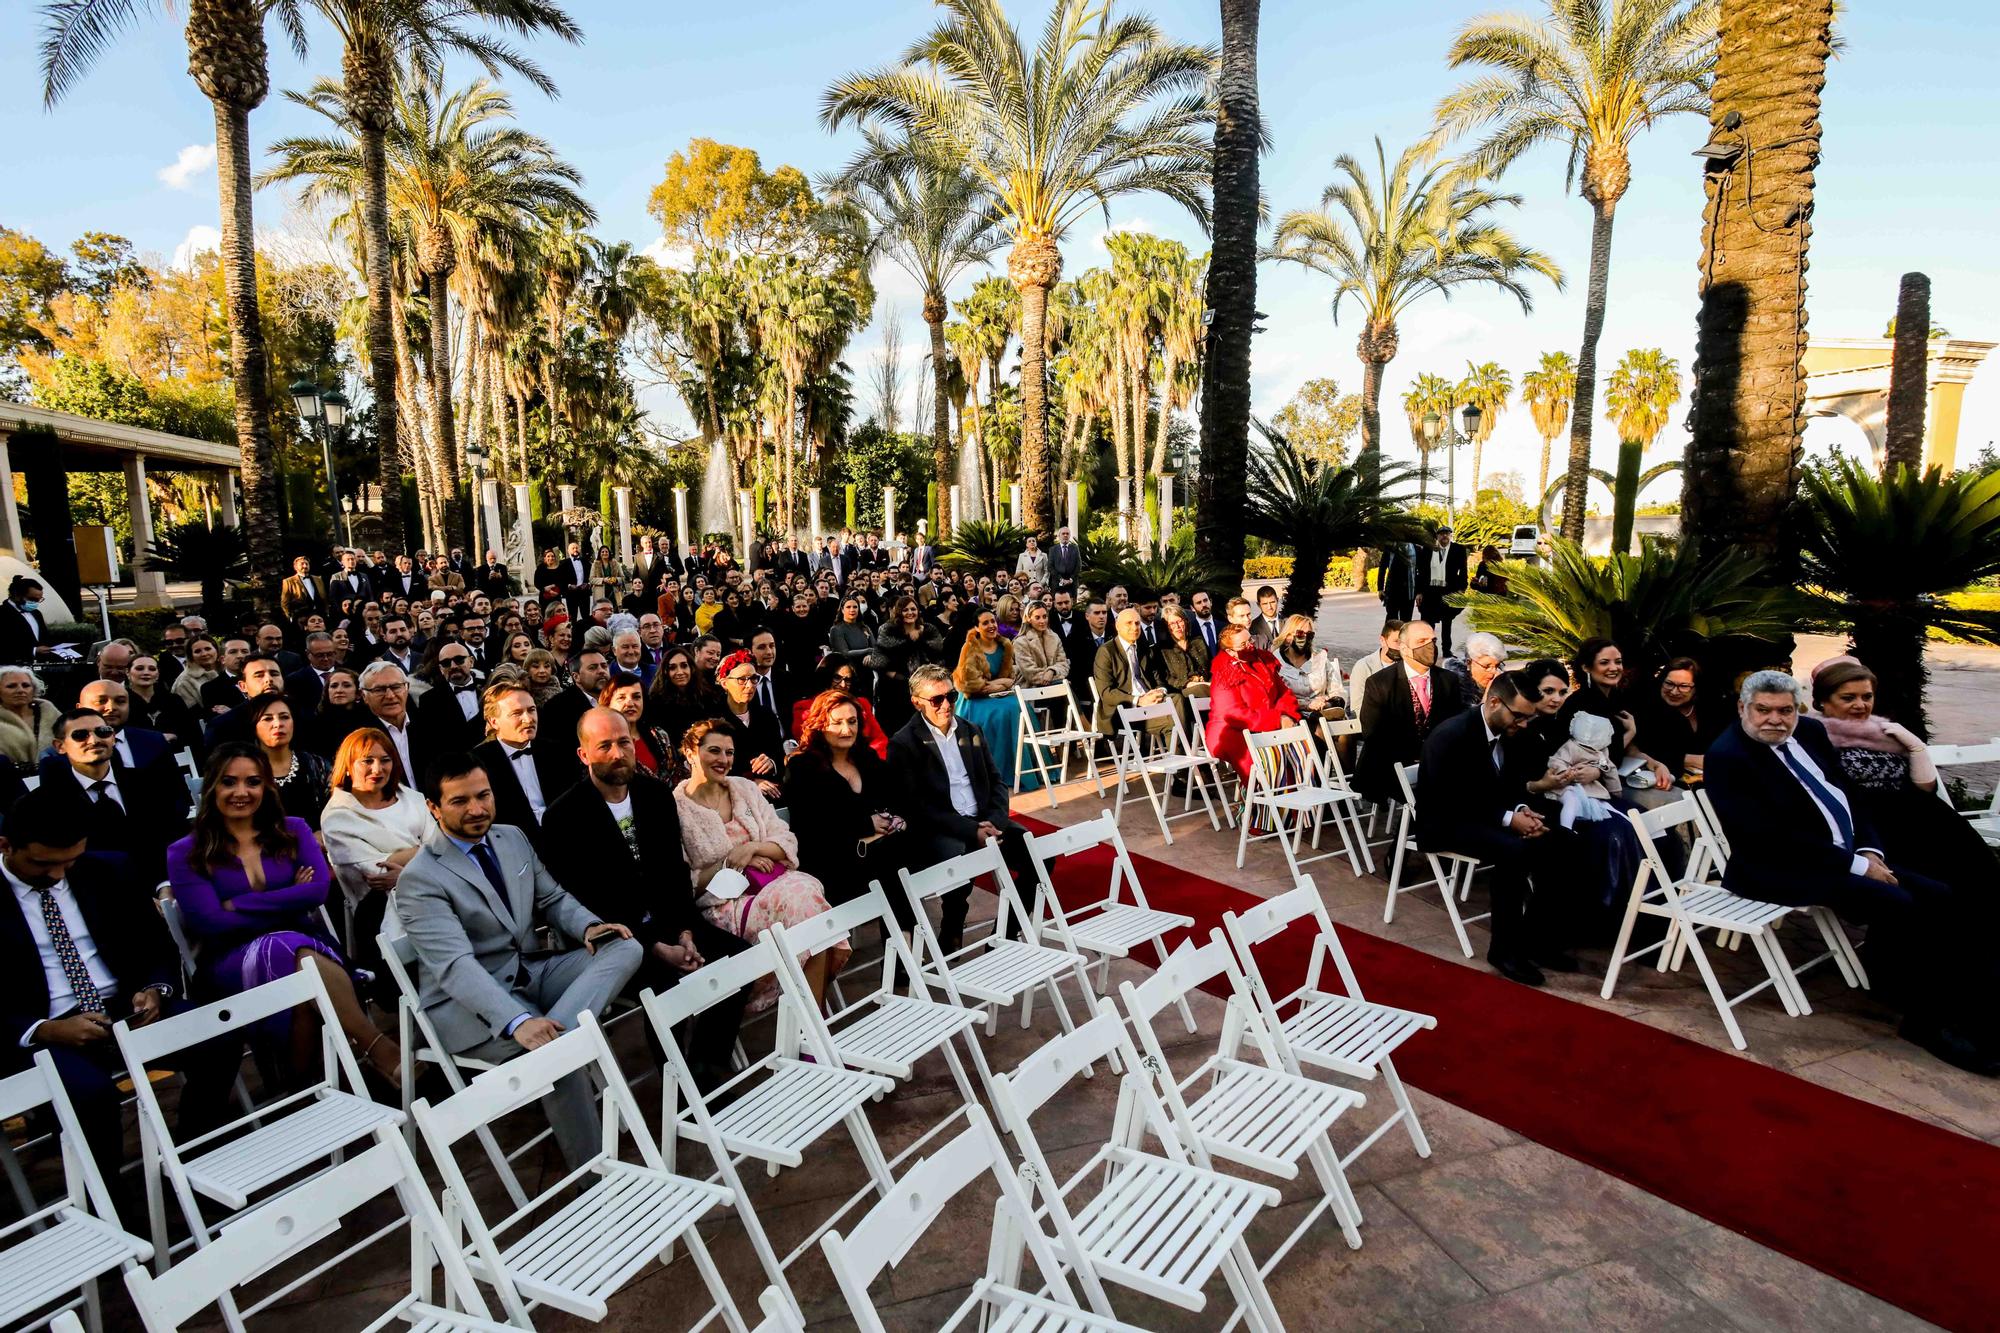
1404 702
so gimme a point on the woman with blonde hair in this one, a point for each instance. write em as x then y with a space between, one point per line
1308 672
544 675
986 698
27 721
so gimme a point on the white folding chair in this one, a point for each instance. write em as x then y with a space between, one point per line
616 1215
1066 727
1108 927
270 1234
1258 1116
881 1032
884 1237
51 1259
1167 756
993 971
775 1110
282 1144
1985 820
1288 783
1451 872
1159 1224
1342 1032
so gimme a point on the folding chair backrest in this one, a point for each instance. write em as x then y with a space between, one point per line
1282 760
265 1237
170 913
1956 756
1330 727
1683 812
1034 696
1712 823
37 1086
1273 915
526 1078
958 872
1136 716
711 984
1406 777
1049 1070
1079 839
1186 970
237 1013
31 781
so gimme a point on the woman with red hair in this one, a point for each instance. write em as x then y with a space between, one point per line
838 791
840 676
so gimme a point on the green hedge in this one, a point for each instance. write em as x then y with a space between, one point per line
1339 569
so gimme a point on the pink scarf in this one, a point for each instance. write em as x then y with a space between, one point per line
1867 734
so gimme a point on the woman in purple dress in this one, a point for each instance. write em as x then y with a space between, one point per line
250 882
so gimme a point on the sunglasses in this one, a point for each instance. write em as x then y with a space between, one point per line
455 660
85 733
948 698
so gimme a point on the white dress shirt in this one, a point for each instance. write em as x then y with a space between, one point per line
522 761
963 799
85 781
1439 558
62 999
400 738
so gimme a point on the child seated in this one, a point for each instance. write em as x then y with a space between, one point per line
1589 744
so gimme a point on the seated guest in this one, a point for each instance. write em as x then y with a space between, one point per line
250 881
153 707
905 642
1889 772
1799 835
840 794
851 639
986 698
1248 694
1404 703
625 695
373 824
340 711
1389 648
1039 656
952 797
1185 662
759 747
449 710
615 843
1485 657
260 675
1599 667
137 747
547 677
472 901
1308 672
135 811
525 767
566 707
727 823
303 778
385 692
1126 675
224 691
203 666
1679 725
27 721
842 676
682 694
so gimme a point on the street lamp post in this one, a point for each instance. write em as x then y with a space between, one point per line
475 457
347 514
1436 426
326 412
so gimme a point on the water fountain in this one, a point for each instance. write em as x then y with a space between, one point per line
718 491
971 470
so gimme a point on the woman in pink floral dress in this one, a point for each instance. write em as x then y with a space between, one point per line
725 821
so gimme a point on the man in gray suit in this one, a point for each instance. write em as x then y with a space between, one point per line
471 900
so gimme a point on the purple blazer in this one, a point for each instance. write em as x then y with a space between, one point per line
249 913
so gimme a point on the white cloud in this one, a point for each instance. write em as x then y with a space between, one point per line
677 257
1126 224
199 238
194 159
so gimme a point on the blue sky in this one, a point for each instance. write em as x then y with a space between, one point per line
1909 108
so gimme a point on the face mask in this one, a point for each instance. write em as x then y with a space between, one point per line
1424 654
31 603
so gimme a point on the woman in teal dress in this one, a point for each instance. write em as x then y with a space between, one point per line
986 698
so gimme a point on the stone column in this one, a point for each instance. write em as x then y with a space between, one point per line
1075 494
812 512
888 515
1166 510
681 519
957 506
11 541
1014 503
1124 509
747 511
489 509
568 495
226 495
622 497
524 533
150 587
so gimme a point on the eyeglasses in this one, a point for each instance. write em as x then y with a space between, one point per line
1678 687
739 680
455 660
948 698
85 733
397 688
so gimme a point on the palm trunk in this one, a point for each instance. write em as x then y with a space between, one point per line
248 364
382 334
1478 457
1583 407
1035 265
521 435
934 313
1889 639
1542 486
451 513
1907 390
1371 406
1231 296
1168 365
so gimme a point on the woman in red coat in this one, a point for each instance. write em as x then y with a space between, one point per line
1245 694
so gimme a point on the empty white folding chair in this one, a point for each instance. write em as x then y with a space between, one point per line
1289 788
190 772
774 1111
1314 1027
1259 1116
1451 872
992 971
52 1258
883 1237
272 1233
881 1032
1984 819
1042 746
280 1144
1113 925
1165 758
1158 1223
614 1216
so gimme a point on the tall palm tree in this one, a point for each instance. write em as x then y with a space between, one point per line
1548 390
1639 399
1486 386
1751 330
1591 77
227 59
1413 230
1429 394
1101 106
934 220
1181 324
1232 292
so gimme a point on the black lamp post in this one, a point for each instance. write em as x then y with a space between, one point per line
1436 426
326 412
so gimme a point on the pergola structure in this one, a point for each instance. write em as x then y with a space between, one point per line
45 446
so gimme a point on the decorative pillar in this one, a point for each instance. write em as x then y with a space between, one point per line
1075 490
489 508
888 515
11 542
681 519
812 511
150 587
957 506
622 497
524 533
1124 509
226 495
568 495
1166 511
1014 503
746 508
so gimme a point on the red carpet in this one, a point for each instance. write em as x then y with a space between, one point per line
1898 1208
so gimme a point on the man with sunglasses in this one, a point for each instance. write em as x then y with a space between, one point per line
449 710
134 813
952 795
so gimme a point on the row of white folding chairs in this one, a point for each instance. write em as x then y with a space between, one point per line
1293 786
1985 820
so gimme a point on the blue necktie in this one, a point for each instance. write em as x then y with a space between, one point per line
490 867
1820 793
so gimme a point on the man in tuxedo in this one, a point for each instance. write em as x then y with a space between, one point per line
303 593
1403 704
406 581
1204 622
134 811
21 623
492 578
614 841
1440 573
527 775
1064 620
270 642
562 712
352 583
576 582
307 688
1797 836
386 692
790 559
449 711
137 748
1065 563
952 797
173 657
1472 799
1397 580
773 685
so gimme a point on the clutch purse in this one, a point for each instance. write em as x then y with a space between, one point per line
728 883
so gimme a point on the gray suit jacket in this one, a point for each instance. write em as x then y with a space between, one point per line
469 943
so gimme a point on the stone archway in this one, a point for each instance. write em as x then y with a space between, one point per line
1849 377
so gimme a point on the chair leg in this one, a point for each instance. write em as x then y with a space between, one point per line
731 1318
1618 949
1333 1182
1401 1096
1449 883
1691 942
1782 972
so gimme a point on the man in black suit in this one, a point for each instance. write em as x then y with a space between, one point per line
307 689
492 578
952 795
1091 630
449 710
21 624
527 773
576 583
1472 800
614 841
1065 563
562 712
352 583
261 675
406 581
1400 707
138 748
385 690
134 812
270 642
1797 836
1204 623
398 644
1264 625
1440 573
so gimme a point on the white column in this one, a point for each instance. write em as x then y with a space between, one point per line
747 509
1014 503
1124 509
1075 494
524 533
11 542
888 515
957 505
150 587
568 495
226 492
622 497
681 519
1166 510
489 509
812 511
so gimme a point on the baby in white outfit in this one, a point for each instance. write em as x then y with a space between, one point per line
1589 743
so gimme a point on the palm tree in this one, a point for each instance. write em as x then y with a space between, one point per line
991 314
1903 441
1591 77
934 221
1427 394
1639 399
1101 106
1548 391
1182 320
1751 329
1318 510
1487 387
1232 292
1412 231
227 60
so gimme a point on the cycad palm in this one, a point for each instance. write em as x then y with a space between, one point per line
1639 399
1317 510
1486 386
1548 390
1101 106
1387 242
1591 77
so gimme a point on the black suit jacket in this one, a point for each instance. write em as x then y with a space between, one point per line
20 633
561 714
651 894
492 580
132 850
1462 797
1081 649
555 767
1454 571
341 586
924 791
131 941
392 583
305 689
1392 733
446 722
1781 849
1065 563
